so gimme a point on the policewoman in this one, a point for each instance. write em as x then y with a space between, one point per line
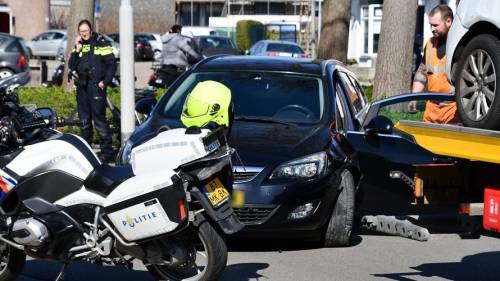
94 63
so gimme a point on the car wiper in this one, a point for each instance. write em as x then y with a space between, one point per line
262 120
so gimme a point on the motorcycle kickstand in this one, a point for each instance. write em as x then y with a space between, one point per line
60 276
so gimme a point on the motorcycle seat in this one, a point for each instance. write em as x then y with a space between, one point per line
104 178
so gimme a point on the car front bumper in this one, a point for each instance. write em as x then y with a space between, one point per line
267 210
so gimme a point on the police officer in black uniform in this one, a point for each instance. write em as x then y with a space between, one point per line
94 63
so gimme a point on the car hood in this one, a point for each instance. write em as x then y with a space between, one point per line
257 144
260 144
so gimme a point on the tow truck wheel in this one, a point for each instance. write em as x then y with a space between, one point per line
476 77
339 228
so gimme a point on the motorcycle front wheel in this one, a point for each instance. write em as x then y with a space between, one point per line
11 262
207 257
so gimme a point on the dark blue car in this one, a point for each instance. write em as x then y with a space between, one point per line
294 174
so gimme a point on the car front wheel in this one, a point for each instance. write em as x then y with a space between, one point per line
339 228
476 77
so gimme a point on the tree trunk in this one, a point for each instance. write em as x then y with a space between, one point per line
80 9
335 19
395 52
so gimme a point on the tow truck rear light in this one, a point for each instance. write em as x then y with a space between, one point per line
491 211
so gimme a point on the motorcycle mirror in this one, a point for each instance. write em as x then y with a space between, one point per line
145 105
45 112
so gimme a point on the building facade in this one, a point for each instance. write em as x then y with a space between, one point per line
149 15
24 18
365 24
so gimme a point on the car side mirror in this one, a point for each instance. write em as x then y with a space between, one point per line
145 105
379 124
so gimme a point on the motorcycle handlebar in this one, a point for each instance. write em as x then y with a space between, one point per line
61 122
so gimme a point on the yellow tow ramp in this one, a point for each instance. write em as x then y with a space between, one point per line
455 141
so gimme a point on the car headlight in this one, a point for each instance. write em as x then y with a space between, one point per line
126 152
305 167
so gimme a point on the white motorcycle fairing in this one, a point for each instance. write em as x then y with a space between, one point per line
69 153
52 178
170 149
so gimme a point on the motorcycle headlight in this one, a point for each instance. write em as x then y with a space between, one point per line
126 153
305 167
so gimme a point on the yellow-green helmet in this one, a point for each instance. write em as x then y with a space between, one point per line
209 101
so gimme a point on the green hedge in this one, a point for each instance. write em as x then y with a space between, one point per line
244 33
64 103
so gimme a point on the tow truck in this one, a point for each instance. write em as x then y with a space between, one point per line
452 165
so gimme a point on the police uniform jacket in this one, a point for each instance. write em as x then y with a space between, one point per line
95 60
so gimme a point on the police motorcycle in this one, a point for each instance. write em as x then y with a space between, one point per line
168 208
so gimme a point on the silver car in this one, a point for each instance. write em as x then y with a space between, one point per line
48 44
473 62
276 48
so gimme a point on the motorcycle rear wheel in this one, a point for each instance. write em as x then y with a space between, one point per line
213 251
11 262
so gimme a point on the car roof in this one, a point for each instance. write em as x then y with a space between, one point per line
146 33
10 35
278 42
56 30
258 63
212 36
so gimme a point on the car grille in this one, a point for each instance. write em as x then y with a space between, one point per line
244 174
254 215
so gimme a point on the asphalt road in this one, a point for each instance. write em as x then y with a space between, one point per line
373 257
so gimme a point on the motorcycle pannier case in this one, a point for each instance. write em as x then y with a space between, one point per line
150 214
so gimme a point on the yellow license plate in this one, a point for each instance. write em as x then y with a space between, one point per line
216 192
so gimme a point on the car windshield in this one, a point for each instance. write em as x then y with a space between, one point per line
284 48
260 96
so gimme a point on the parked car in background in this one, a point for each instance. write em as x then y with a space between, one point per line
155 40
142 48
473 62
14 56
192 31
291 174
114 36
47 44
216 45
276 48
